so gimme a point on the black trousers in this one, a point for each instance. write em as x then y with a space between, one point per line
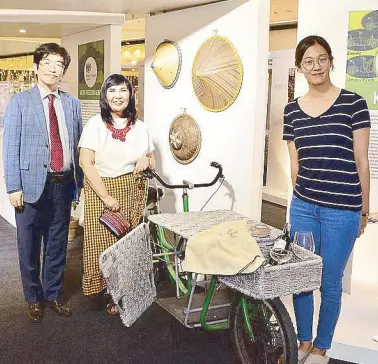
48 220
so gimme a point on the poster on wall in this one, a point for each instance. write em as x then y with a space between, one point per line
291 85
90 77
362 78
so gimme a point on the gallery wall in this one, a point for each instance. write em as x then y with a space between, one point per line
111 34
234 137
278 174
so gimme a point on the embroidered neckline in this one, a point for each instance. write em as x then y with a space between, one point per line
120 134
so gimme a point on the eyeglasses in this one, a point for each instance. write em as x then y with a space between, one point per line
309 63
48 64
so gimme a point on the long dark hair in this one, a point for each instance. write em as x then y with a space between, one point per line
308 42
130 111
51 48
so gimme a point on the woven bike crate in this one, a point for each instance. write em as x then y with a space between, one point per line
270 281
126 267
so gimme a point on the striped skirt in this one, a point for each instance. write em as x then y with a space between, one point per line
130 192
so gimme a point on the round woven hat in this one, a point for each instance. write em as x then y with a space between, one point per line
217 74
167 63
184 139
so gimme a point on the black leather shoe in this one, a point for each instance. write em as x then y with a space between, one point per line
34 312
59 308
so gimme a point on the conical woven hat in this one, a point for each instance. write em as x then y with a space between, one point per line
217 74
167 63
184 139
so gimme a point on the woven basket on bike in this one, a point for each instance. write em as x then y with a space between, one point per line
121 264
268 281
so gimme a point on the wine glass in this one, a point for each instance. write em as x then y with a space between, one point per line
304 240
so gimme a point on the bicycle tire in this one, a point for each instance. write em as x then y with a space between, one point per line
261 351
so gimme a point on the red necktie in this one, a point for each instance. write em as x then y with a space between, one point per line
56 163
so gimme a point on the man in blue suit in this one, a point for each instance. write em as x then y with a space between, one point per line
42 127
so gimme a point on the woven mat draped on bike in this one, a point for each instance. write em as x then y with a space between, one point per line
127 267
266 282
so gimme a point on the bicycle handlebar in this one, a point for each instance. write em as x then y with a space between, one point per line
150 173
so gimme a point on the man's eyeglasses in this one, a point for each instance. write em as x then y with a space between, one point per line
309 63
48 64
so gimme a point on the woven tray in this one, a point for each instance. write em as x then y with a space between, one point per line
187 224
126 267
269 281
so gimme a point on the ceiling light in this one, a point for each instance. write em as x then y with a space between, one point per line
22 31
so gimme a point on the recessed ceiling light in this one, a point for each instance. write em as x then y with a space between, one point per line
22 31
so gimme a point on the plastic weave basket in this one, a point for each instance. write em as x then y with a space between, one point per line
270 281
126 267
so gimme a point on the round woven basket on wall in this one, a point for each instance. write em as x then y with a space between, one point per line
184 139
217 74
167 63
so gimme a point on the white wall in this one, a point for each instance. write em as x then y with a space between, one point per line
282 39
234 137
6 209
330 19
278 173
111 34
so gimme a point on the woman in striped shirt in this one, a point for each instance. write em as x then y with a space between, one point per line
327 132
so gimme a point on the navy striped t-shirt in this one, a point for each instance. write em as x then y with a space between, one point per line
327 173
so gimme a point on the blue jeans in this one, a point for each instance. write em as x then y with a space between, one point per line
334 232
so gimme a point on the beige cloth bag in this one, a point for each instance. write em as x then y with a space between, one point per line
225 249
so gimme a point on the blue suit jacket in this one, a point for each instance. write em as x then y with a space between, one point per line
26 144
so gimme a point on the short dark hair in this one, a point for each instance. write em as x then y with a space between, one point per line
308 42
130 111
51 48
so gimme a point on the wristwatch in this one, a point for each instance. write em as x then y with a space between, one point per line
365 214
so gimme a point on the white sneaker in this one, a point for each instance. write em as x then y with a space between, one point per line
375 338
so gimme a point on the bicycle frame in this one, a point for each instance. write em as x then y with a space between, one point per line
188 290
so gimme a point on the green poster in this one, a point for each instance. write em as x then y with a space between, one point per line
90 70
362 59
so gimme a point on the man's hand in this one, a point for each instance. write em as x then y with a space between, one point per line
17 199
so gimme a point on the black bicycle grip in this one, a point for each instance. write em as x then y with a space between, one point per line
215 164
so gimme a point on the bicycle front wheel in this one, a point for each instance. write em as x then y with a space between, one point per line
267 337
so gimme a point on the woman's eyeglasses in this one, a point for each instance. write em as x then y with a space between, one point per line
309 63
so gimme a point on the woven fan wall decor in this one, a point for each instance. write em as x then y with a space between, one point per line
167 63
184 139
217 74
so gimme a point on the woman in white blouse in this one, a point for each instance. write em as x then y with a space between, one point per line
114 148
